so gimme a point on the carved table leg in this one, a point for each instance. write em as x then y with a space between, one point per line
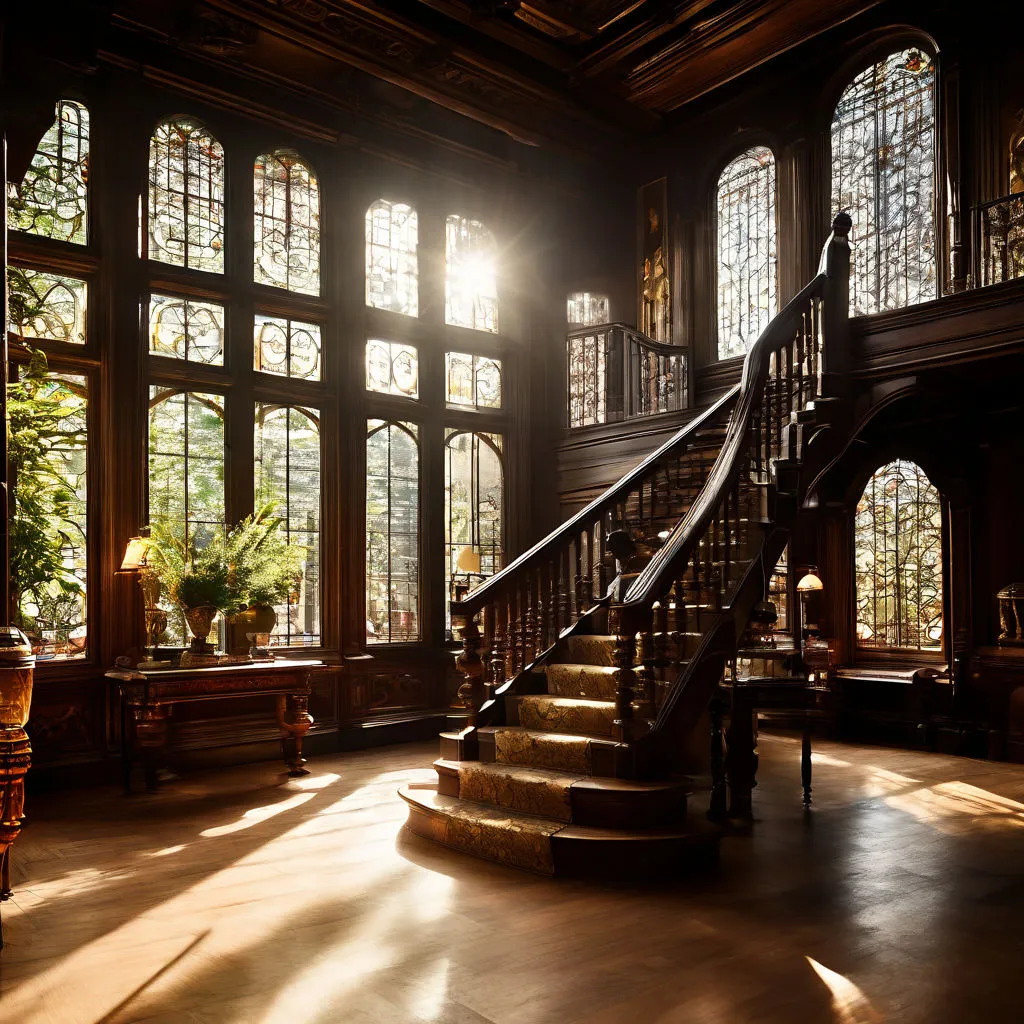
741 760
15 757
151 739
292 733
717 809
805 764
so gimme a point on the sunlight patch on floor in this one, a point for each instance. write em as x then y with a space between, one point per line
958 807
849 1002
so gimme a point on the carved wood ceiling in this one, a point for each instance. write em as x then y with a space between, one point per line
576 73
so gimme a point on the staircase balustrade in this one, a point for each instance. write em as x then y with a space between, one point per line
1001 248
709 510
616 373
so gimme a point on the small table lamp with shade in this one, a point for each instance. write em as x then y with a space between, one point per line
809 583
134 562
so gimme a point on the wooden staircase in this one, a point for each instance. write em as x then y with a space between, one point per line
592 662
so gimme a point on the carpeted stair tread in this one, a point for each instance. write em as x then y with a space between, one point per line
509 837
596 682
543 791
515 745
576 715
592 649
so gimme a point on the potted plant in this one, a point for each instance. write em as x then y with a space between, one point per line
266 569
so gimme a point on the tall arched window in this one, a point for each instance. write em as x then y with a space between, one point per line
883 173
286 228
898 560
186 196
52 199
392 532
474 504
747 254
287 449
470 280
392 270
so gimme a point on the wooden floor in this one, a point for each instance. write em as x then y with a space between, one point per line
240 896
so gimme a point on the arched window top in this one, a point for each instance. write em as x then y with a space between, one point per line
470 285
898 559
883 174
747 250
392 270
52 199
186 196
286 230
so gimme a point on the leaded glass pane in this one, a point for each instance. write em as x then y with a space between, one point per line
392 368
52 199
286 347
392 270
585 309
47 306
470 284
746 250
48 457
883 174
392 532
186 196
474 504
898 560
287 223
588 379
189 329
472 380
287 444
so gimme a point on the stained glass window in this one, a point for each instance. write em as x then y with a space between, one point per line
474 504
392 368
392 271
747 254
470 283
392 532
186 460
287 444
287 347
47 306
189 329
47 452
287 223
898 559
883 174
52 198
186 196
472 380
585 309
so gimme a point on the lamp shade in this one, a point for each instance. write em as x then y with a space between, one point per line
809 582
135 554
468 560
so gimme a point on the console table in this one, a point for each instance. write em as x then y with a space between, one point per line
750 695
148 695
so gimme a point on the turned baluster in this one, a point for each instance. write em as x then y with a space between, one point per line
551 616
577 579
587 541
661 641
540 624
679 639
625 684
528 634
645 676
563 590
515 630
499 651
487 646
473 691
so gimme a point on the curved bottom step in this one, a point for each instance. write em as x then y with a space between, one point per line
547 846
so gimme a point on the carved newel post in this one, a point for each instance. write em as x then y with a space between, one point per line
473 691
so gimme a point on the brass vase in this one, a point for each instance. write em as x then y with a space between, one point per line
200 622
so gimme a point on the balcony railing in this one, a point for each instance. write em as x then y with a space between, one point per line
1001 228
616 373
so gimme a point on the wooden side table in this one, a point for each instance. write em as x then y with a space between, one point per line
766 693
148 695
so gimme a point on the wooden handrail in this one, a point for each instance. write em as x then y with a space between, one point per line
491 587
661 348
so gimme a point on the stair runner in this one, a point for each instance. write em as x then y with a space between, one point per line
533 800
